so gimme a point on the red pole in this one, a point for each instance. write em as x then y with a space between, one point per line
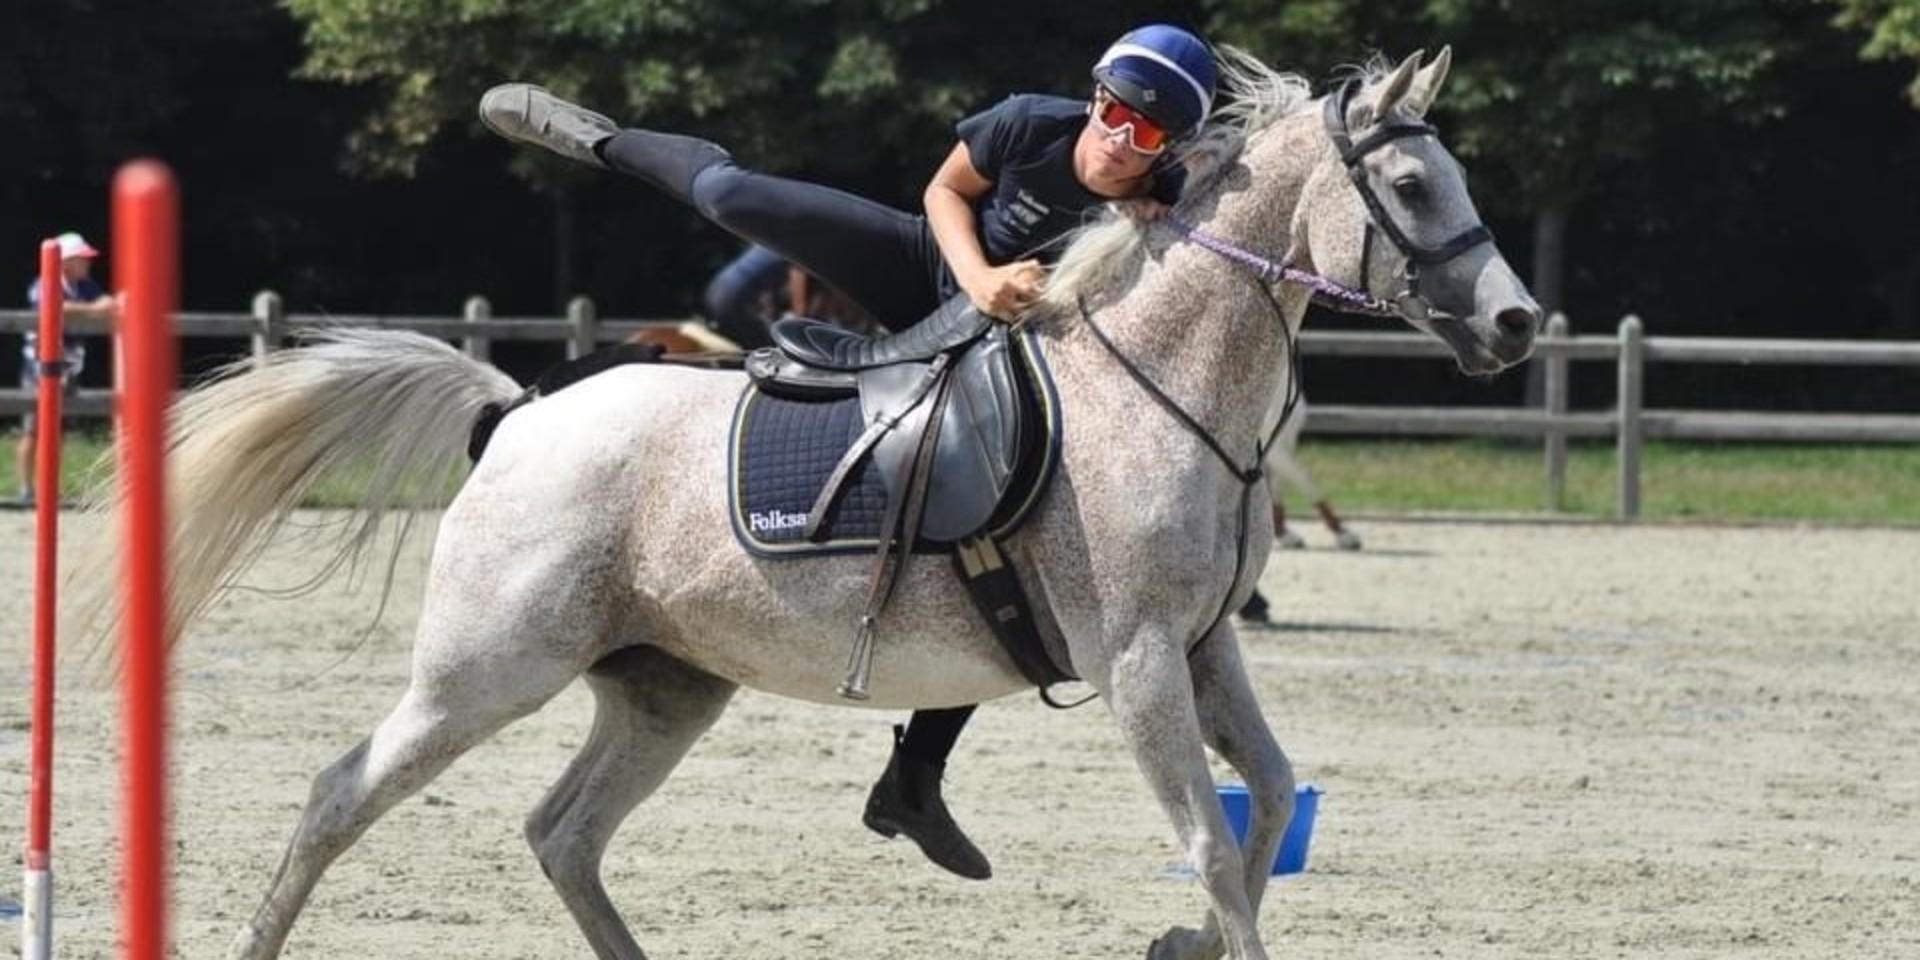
146 216
36 933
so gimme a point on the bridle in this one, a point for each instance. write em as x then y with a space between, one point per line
1409 303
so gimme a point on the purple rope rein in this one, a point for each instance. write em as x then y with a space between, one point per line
1329 293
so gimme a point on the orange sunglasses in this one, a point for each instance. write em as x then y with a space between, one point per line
1143 135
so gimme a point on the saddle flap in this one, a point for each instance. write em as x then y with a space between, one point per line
979 441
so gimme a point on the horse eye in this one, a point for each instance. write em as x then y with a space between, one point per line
1410 189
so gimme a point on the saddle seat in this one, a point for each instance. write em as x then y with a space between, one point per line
825 346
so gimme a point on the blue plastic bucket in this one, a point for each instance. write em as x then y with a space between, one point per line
1292 857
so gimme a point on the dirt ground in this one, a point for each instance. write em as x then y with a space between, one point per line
1535 741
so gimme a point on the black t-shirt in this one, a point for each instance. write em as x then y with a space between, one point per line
1024 145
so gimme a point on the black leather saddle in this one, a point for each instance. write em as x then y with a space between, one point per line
992 392
960 420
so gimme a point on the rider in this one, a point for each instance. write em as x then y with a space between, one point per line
1024 173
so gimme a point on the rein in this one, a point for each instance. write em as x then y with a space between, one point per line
1331 294
1248 476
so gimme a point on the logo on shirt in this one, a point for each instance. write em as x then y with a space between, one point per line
1028 210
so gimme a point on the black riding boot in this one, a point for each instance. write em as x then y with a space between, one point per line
1255 610
907 800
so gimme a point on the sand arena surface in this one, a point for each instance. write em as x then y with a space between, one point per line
1536 741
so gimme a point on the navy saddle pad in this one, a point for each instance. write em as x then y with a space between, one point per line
783 451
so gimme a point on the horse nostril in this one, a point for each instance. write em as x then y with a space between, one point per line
1517 322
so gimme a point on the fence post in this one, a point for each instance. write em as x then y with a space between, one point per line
477 344
586 328
269 323
1632 391
1556 400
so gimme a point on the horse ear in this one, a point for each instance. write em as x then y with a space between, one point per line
1397 85
1426 84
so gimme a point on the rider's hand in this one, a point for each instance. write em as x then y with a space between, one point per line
1141 209
1003 292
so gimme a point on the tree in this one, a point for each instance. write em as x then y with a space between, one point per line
1559 97
857 91
1894 26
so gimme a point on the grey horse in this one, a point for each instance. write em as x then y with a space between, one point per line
592 538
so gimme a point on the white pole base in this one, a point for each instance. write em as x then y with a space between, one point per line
36 916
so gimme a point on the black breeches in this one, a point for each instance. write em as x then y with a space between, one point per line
931 734
886 260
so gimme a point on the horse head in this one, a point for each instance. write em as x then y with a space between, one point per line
1387 210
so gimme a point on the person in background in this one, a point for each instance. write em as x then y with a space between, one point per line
83 297
758 287
742 298
814 298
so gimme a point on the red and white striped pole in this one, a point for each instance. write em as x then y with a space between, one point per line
36 930
146 266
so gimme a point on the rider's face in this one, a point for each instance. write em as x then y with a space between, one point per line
1106 164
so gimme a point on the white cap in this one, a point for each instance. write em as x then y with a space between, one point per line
74 245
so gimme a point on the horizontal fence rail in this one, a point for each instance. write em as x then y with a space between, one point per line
267 326
1629 423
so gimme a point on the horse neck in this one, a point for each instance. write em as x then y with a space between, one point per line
1199 326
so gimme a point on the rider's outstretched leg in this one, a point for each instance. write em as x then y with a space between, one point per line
530 114
884 259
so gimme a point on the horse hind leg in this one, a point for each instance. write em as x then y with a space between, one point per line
425 733
649 709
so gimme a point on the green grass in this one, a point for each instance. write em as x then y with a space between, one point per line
1679 481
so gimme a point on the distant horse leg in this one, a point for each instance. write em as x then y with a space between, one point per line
1347 539
1150 691
1282 467
649 709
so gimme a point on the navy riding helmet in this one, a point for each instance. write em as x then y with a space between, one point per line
1164 72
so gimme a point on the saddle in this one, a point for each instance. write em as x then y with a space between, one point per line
958 418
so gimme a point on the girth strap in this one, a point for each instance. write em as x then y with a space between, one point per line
995 588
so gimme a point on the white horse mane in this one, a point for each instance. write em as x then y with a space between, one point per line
1110 249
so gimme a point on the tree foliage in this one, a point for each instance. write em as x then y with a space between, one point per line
1721 166
1893 28
826 85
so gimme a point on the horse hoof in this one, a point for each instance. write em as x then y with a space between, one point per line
1291 541
1347 539
1186 943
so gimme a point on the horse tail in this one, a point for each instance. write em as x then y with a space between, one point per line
382 416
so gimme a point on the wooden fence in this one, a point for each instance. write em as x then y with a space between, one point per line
1628 422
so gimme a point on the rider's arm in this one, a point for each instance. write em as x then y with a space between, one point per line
1001 291
949 199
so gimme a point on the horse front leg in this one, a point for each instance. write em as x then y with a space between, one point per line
1150 692
1231 722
